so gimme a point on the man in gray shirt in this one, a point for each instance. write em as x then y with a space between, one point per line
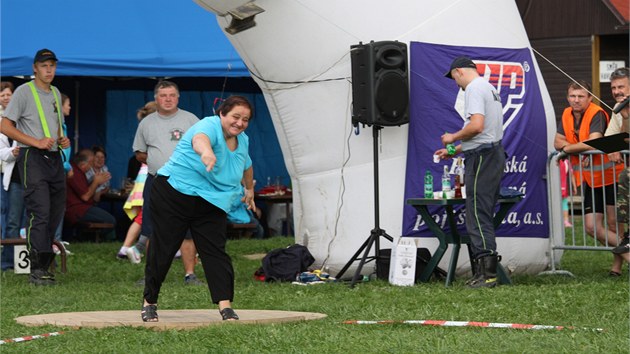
156 138
485 159
34 119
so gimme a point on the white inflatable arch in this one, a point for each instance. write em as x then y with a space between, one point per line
299 54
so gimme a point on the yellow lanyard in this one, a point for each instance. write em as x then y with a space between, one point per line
40 109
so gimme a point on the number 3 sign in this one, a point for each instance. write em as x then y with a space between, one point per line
21 261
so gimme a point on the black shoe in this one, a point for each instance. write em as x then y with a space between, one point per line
623 247
484 282
477 272
228 314
41 278
486 276
149 313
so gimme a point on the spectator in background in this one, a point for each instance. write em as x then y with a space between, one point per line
98 166
67 152
620 87
623 191
67 156
80 202
134 165
155 141
583 121
12 192
133 209
134 173
6 91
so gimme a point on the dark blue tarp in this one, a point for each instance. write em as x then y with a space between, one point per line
142 38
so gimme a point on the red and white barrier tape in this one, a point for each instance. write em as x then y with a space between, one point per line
27 338
441 323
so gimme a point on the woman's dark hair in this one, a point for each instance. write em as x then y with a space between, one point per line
7 85
97 148
232 101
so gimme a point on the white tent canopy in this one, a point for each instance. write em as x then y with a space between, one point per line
298 53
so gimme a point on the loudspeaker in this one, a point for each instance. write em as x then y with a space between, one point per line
380 85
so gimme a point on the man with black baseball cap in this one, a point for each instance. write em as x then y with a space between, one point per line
34 119
485 158
43 55
459 63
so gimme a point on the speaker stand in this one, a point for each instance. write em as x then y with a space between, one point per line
377 232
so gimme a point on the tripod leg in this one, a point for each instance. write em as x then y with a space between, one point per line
354 258
357 273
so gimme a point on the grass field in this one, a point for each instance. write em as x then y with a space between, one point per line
97 281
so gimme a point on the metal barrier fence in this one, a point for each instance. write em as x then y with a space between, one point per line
608 232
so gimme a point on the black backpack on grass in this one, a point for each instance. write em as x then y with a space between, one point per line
284 264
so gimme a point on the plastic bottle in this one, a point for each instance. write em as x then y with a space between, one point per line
450 148
446 182
428 184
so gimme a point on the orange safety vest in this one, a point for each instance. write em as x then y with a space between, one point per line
595 179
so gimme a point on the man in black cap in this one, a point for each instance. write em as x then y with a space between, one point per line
34 119
485 159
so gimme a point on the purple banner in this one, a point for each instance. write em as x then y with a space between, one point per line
435 103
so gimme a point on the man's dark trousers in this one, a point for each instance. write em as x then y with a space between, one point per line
482 178
44 182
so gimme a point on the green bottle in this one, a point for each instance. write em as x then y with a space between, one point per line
450 148
428 185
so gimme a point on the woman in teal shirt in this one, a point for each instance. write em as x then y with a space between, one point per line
195 190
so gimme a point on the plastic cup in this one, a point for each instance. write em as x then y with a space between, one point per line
436 159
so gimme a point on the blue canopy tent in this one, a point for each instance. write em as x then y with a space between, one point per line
128 45
140 38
